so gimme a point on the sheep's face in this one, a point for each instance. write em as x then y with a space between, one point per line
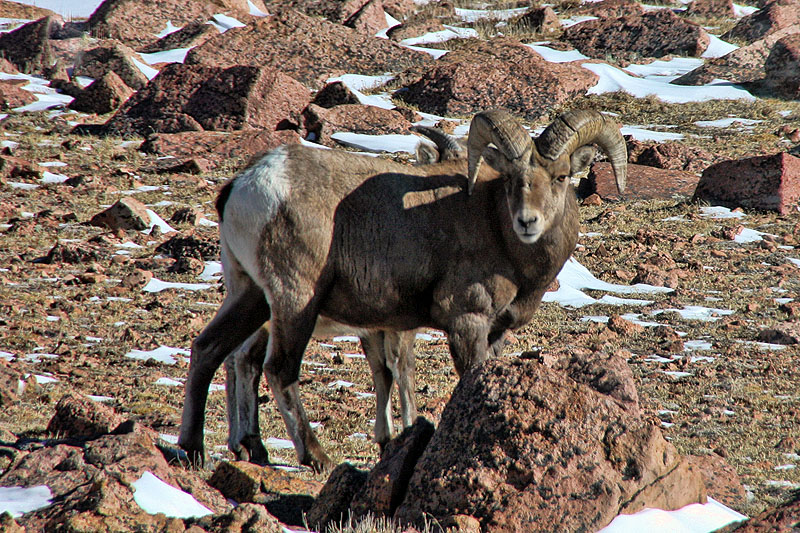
535 197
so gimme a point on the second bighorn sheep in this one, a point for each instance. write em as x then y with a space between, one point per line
376 244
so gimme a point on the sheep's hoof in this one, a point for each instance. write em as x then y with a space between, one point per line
318 460
253 451
196 457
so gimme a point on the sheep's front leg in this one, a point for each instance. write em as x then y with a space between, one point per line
468 337
244 374
374 346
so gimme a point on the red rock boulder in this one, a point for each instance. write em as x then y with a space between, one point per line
652 34
200 97
770 183
782 67
321 123
711 8
13 95
523 445
103 95
502 73
308 49
111 56
28 47
644 183
774 16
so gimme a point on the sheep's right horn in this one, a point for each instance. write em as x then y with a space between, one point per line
504 131
448 146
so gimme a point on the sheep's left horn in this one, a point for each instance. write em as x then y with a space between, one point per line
574 129
504 131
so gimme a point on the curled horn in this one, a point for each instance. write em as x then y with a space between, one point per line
574 129
504 131
448 146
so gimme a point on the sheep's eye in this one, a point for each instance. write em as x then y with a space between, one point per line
561 178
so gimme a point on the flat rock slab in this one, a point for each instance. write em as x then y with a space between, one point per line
644 183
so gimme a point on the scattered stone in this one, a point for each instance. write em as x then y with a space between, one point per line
16 168
514 435
28 47
10 380
334 94
321 123
782 68
137 23
644 183
386 484
500 73
282 41
78 416
721 480
13 95
764 182
539 20
190 245
773 16
243 517
332 504
611 8
199 97
711 8
74 253
136 280
652 34
102 96
619 325
111 56
783 517
126 213
670 155
743 65
787 333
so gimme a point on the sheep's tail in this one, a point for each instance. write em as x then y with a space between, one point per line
222 198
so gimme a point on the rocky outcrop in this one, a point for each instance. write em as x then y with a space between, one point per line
28 47
111 56
653 34
204 98
309 49
321 123
524 445
774 16
782 67
502 73
764 182
103 95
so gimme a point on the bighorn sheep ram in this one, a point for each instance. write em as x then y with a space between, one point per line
384 246
389 355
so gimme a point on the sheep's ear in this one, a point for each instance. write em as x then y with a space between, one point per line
494 158
581 159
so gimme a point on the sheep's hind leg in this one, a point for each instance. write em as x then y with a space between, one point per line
243 312
376 348
243 377
288 339
400 359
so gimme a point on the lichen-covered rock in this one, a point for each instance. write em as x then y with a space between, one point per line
644 183
308 49
125 214
355 118
774 16
103 95
332 504
111 56
500 73
764 182
522 446
200 97
28 47
782 67
652 34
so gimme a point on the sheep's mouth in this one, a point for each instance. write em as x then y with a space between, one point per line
528 237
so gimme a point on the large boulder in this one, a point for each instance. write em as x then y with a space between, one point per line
502 73
137 23
103 95
763 182
652 34
309 49
644 183
782 67
523 445
111 56
321 123
28 47
773 17
745 64
199 97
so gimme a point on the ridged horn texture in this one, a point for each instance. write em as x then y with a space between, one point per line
448 146
504 131
574 129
